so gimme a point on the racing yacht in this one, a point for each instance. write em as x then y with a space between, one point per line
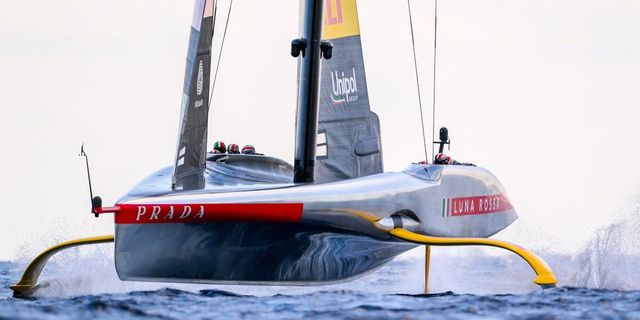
331 216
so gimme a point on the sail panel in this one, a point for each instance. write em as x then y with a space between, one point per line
192 136
348 131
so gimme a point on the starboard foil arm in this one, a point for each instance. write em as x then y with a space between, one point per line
29 279
545 277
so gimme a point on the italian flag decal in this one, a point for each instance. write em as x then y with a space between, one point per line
469 206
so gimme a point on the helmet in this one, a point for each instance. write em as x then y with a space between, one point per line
442 158
233 148
220 146
248 149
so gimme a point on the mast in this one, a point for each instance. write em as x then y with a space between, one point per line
308 47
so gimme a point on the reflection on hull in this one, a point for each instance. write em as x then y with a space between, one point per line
248 253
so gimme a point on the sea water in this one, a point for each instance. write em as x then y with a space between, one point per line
600 281
366 299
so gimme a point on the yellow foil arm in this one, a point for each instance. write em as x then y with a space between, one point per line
30 277
545 278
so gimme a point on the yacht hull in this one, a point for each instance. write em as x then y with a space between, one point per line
248 253
251 225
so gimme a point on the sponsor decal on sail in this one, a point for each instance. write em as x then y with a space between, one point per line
344 87
340 19
201 213
469 206
333 12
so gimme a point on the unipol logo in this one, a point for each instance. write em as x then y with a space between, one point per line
333 12
345 87
200 79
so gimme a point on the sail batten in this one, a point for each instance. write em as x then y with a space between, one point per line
192 136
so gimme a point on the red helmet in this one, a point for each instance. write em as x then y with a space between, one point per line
220 146
442 158
233 148
248 149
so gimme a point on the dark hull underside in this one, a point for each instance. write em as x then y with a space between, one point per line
247 253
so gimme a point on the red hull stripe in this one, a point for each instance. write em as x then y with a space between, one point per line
470 206
200 213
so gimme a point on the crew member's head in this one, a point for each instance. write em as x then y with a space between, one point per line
220 146
248 149
233 148
442 158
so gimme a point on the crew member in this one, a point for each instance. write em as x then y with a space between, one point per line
442 158
220 147
248 149
233 149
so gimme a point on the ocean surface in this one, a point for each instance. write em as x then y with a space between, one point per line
467 285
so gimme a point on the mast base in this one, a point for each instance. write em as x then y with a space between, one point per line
545 277
29 282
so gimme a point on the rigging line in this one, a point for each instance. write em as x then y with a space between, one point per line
415 63
435 59
224 36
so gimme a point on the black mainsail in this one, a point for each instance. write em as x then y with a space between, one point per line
192 138
348 141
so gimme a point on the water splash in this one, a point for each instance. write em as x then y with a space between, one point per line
612 257
609 260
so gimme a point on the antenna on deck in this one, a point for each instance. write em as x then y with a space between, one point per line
96 202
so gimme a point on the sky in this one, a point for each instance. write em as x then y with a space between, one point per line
542 93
